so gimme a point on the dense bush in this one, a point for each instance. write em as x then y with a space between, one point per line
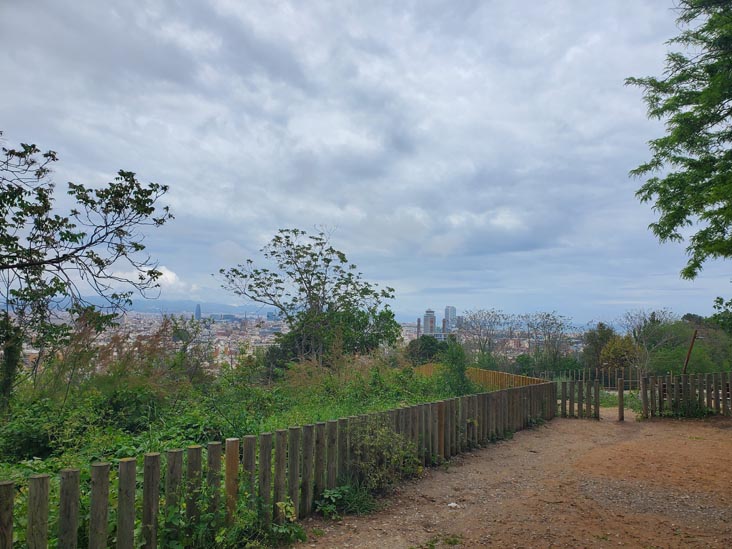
382 458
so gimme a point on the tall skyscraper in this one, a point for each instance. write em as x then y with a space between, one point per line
197 314
451 318
429 322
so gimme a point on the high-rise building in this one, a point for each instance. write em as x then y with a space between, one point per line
197 314
429 322
451 318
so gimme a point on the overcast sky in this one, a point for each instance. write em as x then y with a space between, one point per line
470 153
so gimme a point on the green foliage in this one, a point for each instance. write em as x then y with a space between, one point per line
347 499
382 458
524 364
723 315
453 372
327 305
620 352
631 399
51 258
689 171
424 349
594 340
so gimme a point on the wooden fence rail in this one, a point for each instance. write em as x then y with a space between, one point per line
585 394
295 464
608 377
690 395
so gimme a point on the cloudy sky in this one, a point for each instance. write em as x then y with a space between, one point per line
472 153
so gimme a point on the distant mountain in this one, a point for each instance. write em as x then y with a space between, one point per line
181 306
188 306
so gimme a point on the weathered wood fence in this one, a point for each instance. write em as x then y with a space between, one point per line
580 399
608 377
490 379
690 395
298 464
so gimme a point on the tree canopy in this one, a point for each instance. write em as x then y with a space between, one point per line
321 296
690 172
51 260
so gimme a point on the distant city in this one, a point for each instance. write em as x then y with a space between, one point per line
245 331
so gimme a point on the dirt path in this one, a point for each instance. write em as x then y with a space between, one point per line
570 483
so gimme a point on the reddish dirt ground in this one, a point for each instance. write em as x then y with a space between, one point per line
569 483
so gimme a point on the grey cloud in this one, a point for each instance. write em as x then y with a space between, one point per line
470 152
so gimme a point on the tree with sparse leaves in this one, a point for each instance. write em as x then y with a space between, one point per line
51 259
323 298
690 172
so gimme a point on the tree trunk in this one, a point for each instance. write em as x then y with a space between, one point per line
12 346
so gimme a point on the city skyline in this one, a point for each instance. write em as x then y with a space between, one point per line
468 153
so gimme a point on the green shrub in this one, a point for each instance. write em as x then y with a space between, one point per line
29 432
348 499
380 457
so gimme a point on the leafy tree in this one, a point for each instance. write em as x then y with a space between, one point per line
547 333
689 172
424 349
651 331
594 340
320 295
49 258
723 315
525 364
620 352
454 371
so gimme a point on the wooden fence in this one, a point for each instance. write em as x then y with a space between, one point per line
298 464
690 395
489 379
580 399
608 377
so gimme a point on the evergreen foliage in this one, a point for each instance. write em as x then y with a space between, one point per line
690 172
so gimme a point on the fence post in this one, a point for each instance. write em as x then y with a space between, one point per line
320 458
126 503
194 458
213 474
580 398
331 430
435 413
265 476
588 411
173 475
68 515
597 398
621 405
280 472
571 398
700 390
725 393
150 502
7 493
37 534
231 476
306 501
563 404
652 395
99 505
644 396
249 465
717 392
